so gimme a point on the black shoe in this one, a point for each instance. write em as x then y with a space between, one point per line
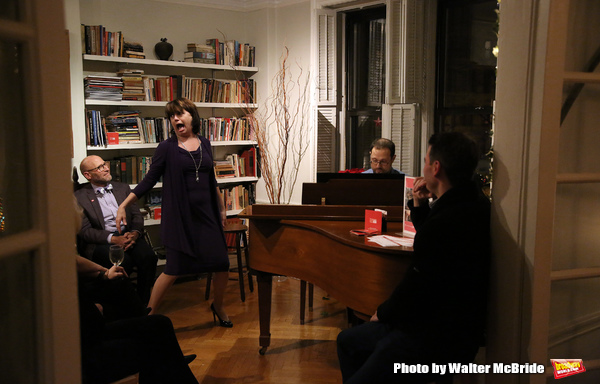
189 358
222 323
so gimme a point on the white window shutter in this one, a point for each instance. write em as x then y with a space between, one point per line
326 140
326 57
409 34
404 120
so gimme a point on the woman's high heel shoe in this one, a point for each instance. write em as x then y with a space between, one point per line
222 323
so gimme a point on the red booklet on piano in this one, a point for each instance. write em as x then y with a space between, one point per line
373 220
373 224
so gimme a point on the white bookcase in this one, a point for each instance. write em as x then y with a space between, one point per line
109 66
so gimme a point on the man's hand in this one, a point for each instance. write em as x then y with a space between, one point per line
420 192
374 317
131 239
127 240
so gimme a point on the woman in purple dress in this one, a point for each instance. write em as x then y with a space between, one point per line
193 214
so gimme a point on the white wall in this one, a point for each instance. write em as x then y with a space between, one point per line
522 45
290 27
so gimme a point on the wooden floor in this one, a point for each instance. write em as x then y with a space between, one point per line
298 353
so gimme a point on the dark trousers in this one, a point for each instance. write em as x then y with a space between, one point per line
146 344
140 256
118 297
367 354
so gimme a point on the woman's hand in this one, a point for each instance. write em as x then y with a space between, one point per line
121 218
115 272
223 218
121 214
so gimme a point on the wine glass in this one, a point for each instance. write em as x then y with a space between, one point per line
116 255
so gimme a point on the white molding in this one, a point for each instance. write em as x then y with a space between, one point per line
236 5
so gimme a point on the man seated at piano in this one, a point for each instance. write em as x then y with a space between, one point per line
436 314
382 154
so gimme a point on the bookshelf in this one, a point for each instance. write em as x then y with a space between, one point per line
94 65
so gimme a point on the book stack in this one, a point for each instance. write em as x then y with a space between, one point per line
127 124
103 88
133 84
198 53
239 165
224 169
134 50
96 40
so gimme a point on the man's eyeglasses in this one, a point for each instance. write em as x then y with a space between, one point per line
101 167
379 162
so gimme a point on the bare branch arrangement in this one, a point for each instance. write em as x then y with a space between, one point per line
282 131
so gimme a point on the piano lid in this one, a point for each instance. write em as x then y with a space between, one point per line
355 189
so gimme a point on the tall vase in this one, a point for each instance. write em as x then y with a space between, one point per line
163 49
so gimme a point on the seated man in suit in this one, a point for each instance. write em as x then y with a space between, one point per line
382 155
436 314
100 200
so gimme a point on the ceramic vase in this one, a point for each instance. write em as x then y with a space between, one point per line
163 49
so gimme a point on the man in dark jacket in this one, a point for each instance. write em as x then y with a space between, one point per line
100 199
436 315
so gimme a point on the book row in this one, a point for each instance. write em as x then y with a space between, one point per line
128 127
239 196
129 169
228 52
167 88
96 40
124 127
132 169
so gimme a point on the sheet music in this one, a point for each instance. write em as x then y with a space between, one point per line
392 241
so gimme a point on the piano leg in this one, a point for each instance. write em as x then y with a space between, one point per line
265 285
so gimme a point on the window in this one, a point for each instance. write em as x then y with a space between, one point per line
466 78
364 82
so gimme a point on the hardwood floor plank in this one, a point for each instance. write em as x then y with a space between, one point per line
298 354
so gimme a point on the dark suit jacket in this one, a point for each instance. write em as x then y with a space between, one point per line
92 226
443 295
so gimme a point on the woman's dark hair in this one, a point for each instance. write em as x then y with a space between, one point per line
179 105
457 154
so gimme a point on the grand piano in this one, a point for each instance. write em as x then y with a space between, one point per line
313 242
